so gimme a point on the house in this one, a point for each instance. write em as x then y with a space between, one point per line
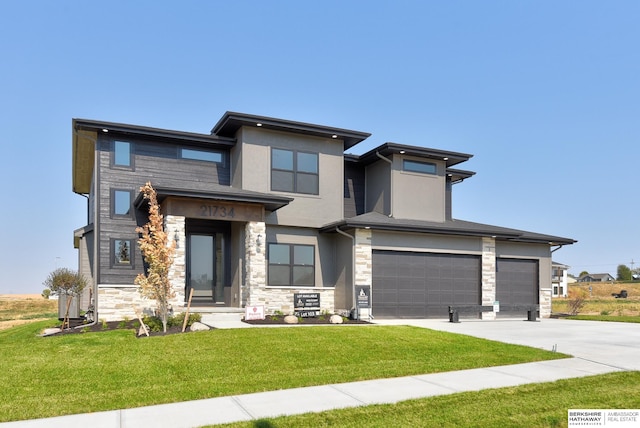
559 279
596 277
265 210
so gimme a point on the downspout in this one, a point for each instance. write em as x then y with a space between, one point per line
390 182
559 246
353 269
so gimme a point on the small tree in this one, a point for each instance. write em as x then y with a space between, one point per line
577 300
158 255
63 281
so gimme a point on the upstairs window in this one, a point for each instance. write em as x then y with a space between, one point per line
419 167
294 171
121 203
122 154
201 155
291 265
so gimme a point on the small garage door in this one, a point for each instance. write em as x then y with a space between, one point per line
516 283
422 285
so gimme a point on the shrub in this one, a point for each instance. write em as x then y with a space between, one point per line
577 300
154 323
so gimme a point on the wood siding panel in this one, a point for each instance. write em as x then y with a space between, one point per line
158 163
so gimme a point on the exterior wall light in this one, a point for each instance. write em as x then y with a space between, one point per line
259 241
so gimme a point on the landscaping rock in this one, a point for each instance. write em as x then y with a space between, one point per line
50 331
335 319
291 319
198 326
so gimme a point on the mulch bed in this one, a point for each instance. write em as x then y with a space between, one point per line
133 325
279 319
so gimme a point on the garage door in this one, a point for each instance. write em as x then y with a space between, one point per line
516 283
422 285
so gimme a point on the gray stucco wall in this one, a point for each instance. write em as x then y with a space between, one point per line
304 210
418 196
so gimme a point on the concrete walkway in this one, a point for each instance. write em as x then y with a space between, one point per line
598 348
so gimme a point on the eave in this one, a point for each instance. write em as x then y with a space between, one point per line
230 122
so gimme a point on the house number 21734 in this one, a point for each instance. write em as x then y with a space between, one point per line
216 211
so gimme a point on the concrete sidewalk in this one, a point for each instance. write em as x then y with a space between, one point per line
598 357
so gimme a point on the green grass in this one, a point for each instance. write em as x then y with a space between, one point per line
88 372
610 318
532 405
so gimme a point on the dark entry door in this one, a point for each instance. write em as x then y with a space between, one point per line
206 267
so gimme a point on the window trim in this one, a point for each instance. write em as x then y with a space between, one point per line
295 171
114 164
291 265
416 170
112 254
113 204
181 155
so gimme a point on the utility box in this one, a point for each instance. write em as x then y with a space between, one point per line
74 307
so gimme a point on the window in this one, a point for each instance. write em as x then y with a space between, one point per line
121 252
122 154
201 155
291 265
294 171
420 167
121 203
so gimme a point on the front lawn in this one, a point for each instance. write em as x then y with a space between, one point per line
533 405
89 372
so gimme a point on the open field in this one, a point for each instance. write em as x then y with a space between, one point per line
599 300
17 309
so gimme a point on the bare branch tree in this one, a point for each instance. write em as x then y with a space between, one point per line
158 254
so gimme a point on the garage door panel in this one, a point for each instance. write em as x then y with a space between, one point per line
517 282
419 285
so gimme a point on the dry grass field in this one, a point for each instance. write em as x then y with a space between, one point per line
16 309
599 300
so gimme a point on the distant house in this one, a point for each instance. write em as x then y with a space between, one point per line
559 279
596 277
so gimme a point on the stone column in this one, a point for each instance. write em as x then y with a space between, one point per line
175 228
488 276
255 262
363 263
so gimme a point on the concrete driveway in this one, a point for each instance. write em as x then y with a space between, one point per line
611 343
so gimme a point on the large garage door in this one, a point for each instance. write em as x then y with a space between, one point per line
516 283
422 285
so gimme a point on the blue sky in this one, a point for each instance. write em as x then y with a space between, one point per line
544 94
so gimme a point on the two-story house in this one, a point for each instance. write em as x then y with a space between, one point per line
264 208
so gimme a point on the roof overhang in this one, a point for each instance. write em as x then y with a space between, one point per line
230 122
378 221
220 193
83 156
389 149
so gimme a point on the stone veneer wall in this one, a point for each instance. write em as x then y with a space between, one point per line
545 302
488 276
116 302
255 291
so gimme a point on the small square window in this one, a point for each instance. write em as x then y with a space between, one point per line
121 252
294 171
121 203
291 265
122 154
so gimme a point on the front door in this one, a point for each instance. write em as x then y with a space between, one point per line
206 268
